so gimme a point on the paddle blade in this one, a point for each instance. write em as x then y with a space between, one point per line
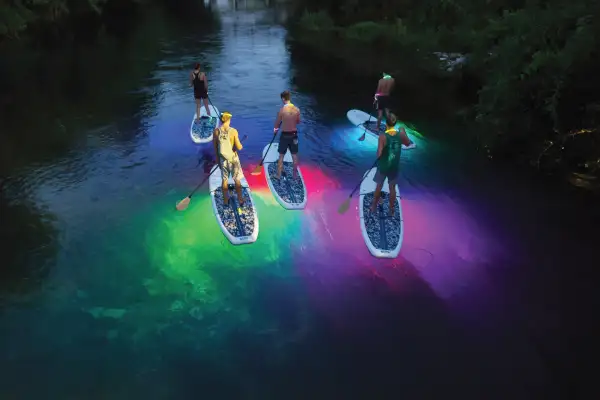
256 170
344 206
183 204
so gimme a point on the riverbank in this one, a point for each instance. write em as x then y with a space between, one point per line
522 92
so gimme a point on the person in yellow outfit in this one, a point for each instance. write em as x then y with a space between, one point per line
227 143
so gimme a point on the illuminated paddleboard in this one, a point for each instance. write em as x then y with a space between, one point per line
238 223
382 233
369 123
201 130
290 192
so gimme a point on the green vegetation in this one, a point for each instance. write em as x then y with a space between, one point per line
531 66
18 17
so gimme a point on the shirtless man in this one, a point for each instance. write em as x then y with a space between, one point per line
382 100
289 117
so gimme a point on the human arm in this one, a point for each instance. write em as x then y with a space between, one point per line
378 90
297 115
380 145
277 122
191 79
404 138
237 145
205 81
216 143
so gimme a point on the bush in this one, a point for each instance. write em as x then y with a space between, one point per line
318 21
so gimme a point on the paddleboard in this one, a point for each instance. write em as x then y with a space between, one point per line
369 123
290 192
201 130
382 233
238 223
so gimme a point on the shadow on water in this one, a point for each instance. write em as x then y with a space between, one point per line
54 106
78 89
29 243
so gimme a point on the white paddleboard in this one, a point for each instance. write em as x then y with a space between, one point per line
382 234
201 131
368 122
239 224
289 192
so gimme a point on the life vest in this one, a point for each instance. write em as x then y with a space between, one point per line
390 156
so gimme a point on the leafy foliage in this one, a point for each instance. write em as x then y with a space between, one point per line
534 60
16 16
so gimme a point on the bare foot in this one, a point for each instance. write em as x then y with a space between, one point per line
226 199
240 201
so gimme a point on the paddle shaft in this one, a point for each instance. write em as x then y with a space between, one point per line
211 103
212 172
268 148
363 178
369 120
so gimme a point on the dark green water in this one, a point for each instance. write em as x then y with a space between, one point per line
108 293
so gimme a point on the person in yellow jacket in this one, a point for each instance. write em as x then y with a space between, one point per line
227 143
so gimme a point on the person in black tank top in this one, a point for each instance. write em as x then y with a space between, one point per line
200 84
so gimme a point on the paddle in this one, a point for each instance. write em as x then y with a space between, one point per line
364 135
183 204
211 103
257 169
346 204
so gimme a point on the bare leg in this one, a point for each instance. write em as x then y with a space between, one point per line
295 159
392 184
280 165
376 197
198 109
225 191
238 189
379 116
206 106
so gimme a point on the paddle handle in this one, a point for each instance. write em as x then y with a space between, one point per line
212 172
363 178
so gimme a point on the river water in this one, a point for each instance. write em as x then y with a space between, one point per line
108 293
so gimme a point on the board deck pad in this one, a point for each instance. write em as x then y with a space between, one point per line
371 126
383 230
203 129
289 188
238 223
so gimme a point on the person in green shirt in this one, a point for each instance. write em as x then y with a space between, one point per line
388 164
